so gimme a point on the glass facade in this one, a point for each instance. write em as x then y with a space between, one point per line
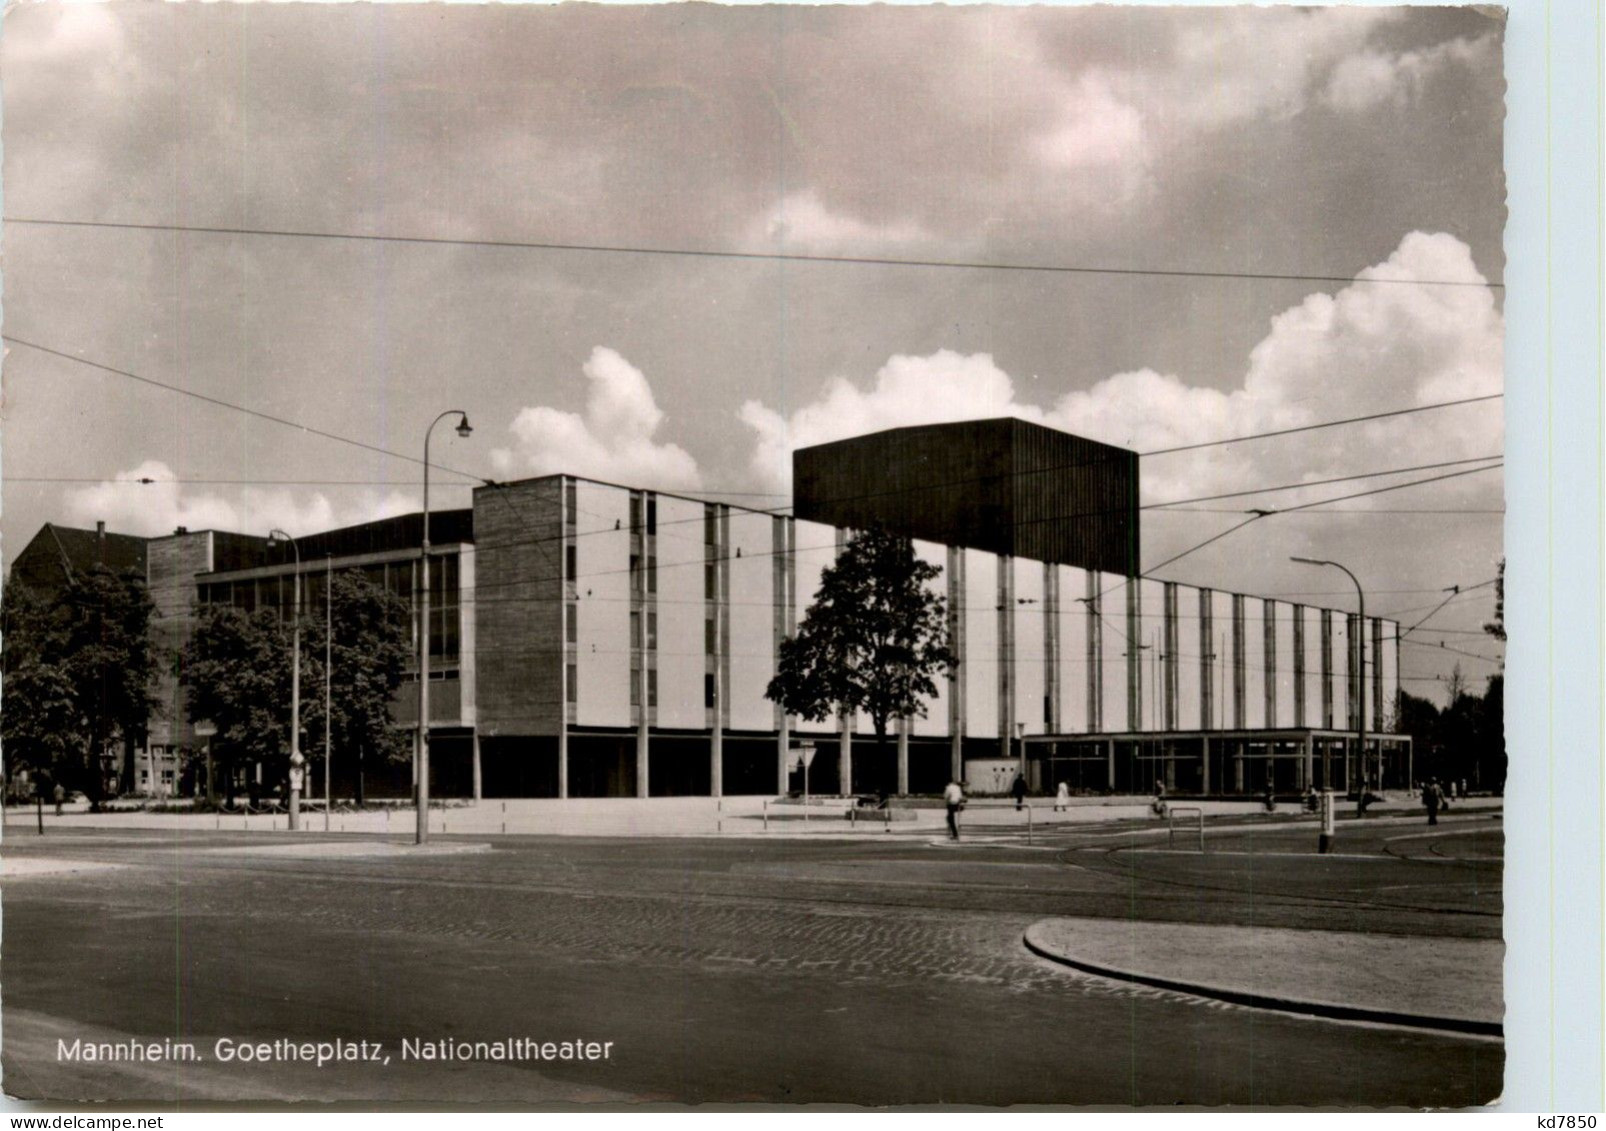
277 593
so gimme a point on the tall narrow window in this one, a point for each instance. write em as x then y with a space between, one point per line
571 562
571 623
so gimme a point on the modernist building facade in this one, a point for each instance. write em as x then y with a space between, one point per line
594 639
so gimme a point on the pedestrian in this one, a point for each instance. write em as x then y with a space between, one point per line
1430 799
1019 791
954 795
1062 798
60 795
1461 791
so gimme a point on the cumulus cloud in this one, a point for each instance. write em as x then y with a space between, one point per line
1372 78
149 500
612 440
801 222
1385 341
1230 68
1099 134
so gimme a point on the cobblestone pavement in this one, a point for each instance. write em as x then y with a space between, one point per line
729 972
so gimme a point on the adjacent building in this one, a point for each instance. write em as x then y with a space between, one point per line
597 639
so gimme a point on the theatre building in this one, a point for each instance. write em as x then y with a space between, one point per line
594 639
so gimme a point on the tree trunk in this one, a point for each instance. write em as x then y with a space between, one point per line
357 791
95 785
881 756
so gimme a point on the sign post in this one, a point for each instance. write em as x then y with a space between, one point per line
206 728
801 755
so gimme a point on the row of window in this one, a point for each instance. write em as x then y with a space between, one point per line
277 593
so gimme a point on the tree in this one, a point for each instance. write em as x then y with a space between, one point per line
41 725
371 649
1497 627
874 639
238 675
79 675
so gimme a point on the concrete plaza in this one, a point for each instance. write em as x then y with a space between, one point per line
882 969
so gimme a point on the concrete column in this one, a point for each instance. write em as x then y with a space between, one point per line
563 760
1204 766
479 782
845 762
643 753
1109 746
903 756
1310 762
783 747
716 759
956 757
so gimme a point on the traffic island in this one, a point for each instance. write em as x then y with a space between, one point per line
1448 984
331 849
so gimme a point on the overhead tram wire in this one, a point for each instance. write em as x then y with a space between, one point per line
221 403
490 482
1158 508
749 256
1324 482
1022 522
1051 468
1258 515
776 510
185 480
493 483
702 562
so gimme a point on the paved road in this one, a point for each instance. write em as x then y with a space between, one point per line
862 973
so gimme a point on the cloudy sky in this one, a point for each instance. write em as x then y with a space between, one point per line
1190 152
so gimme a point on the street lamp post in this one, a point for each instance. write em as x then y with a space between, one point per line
1360 669
421 768
296 760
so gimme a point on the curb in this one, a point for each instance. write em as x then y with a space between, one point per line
1334 1010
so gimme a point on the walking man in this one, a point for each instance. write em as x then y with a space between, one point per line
1430 799
954 795
1019 791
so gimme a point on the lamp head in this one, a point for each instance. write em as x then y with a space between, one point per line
463 427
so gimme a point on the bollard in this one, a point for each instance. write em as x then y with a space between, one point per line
40 798
853 817
1324 842
766 814
1028 824
888 812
